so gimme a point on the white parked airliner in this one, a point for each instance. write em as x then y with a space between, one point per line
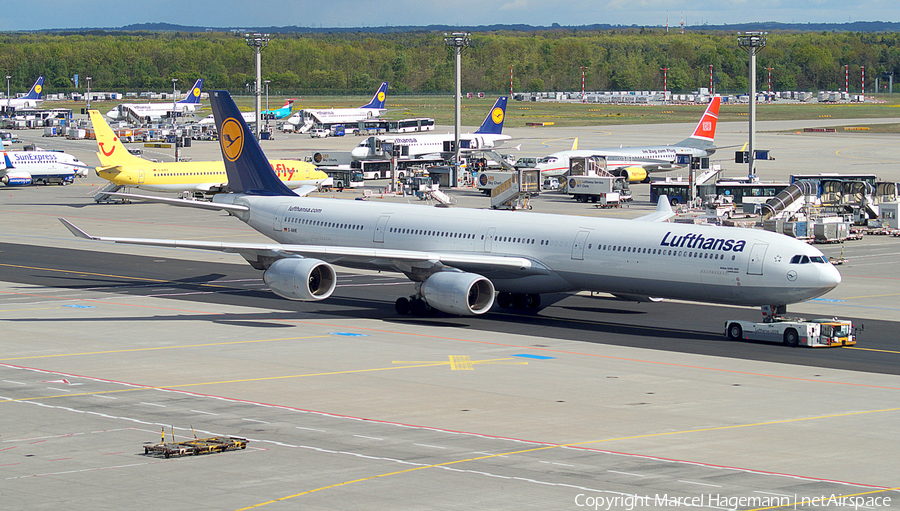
188 105
459 258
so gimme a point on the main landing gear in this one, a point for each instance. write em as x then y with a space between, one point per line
519 300
415 305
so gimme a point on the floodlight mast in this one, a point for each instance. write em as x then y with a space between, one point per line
258 42
752 43
458 40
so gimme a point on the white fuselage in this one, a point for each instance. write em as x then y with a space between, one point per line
335 115
421 145
661 158
20 103
152 110
625 257
44 165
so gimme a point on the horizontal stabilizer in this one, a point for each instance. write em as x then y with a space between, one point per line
216 206
663 211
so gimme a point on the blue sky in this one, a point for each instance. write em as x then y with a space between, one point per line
47 14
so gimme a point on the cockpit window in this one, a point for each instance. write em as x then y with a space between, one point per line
802 259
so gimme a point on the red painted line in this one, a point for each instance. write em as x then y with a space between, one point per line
8 448
10 464
39 441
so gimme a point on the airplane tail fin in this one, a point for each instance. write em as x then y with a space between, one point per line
249 172
705 132
112 151
7 163
575 144
36 90
193 96
493 123
379 97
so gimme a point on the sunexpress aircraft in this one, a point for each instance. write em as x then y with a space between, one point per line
460 258
118 166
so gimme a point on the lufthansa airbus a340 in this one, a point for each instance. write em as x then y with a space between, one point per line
461 258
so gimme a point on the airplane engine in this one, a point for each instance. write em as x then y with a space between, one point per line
296 278
635 174
16 178
458 293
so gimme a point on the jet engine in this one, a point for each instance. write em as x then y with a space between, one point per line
635 173
16 178
296 278
458 293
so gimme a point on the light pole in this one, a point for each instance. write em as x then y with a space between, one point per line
457 40
88 78
258 42
174 106
752 43
7 88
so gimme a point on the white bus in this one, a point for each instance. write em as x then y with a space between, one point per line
411 125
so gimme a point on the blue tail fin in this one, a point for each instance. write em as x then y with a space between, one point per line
493 123
36 90
248 170
193 96
379 97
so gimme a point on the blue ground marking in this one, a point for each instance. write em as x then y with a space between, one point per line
80 306
537 357
348 334
826 300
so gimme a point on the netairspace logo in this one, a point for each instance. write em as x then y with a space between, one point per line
657 501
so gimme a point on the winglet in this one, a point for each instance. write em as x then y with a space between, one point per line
575 144
493 123
663 211
76 231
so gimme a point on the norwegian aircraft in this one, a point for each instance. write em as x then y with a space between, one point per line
373 108
636 163
459 258
487 136
30 100
188 105
39 167
120 167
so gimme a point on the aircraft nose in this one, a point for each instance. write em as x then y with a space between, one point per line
829 276
359 152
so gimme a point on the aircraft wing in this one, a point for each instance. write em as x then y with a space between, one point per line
406 261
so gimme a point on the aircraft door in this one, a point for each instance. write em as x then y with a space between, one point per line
140 177
757 256
380 228
578 245
489 239
279 216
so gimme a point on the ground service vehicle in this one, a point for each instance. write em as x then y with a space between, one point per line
793 332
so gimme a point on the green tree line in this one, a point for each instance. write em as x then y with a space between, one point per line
420 62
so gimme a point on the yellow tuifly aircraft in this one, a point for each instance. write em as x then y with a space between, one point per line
119 166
